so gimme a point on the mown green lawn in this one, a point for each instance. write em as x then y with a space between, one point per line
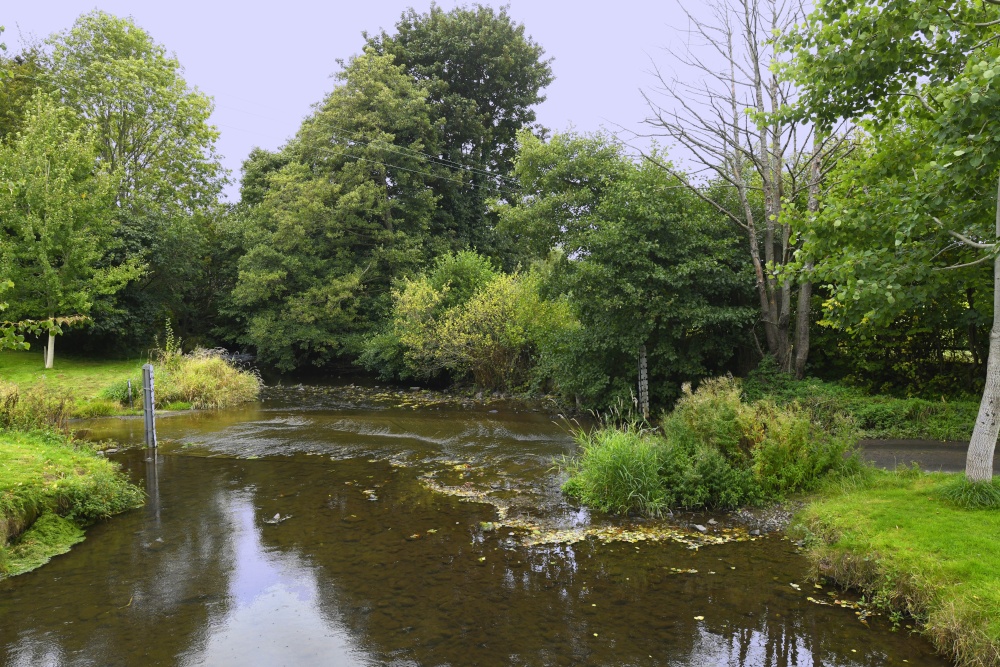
895 536
83 378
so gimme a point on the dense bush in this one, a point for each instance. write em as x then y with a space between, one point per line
876 416
465 319
713 450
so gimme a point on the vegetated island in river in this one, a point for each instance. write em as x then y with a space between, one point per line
923 545
53 485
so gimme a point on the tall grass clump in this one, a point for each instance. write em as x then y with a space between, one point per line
713 451
619 471
34 409
205 380
964 494
201 379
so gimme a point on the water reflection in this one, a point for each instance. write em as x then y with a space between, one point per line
375 568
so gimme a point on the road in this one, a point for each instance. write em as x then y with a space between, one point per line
932 455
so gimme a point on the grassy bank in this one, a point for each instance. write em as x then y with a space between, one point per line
897 537
50 490
95 388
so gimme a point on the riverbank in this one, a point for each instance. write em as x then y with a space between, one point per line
895 536
50 490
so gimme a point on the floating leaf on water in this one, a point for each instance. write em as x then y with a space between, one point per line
699 618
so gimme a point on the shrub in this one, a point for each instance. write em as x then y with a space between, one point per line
466 319
715 451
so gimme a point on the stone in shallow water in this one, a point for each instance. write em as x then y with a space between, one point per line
700 528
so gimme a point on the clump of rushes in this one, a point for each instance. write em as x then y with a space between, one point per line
50 489
712 451
972 495
202 379
901 538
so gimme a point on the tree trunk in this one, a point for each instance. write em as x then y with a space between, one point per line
803 320
979 461
802 326
50 351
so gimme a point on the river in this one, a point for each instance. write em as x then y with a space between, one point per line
326 526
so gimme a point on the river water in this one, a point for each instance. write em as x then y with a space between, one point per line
327 527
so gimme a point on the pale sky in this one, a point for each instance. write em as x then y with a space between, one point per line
265 64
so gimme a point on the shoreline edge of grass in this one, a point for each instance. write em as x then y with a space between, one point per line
896 537
51 489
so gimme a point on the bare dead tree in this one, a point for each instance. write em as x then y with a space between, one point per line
724 108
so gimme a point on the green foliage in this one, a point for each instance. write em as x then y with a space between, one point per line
972 495
56 218
714 451
918 79
153 134
483 76
460 275
875 416
641 260
338 223
22 75
464 318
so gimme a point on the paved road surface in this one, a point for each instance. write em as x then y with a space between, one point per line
932 455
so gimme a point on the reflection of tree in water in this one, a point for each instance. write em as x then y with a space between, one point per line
136 589
400 579
429 599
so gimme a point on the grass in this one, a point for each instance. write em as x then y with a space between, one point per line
50 489
82 378
900 538
98 388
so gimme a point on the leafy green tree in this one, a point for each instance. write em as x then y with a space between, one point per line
643 262
918 75
152 130
483 76
56 220
349 212
22 75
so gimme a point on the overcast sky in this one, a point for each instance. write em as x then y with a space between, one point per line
266 63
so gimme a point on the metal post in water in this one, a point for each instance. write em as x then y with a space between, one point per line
147 404
643 383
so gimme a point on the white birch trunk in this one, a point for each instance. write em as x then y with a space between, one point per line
50 351
979 460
